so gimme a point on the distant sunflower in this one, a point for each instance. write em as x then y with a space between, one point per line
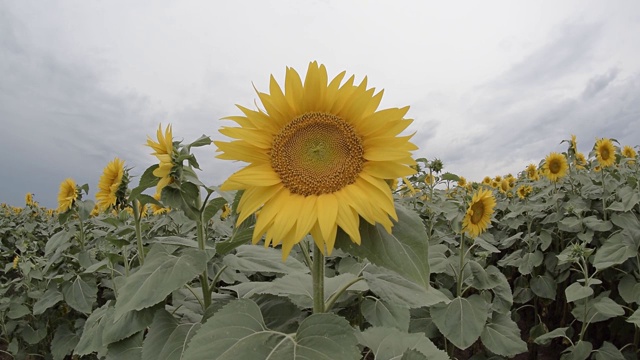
581 161
605 152
28 199
110 187
462 181
67 195
504 186
486 181
532 172
158 209
524 191
478 216
555 166
318 159
164 152
574 143
429 179
629 153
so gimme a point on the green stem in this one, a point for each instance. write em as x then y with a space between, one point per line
604 195
204 277
317 273
333 298
462 255
81 230
137 219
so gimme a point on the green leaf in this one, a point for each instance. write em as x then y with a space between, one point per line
576 291
384 314
391 343
483 279
162 273
405 250
502 336
546 338
570 224
635 318
616 250
503 299
608 351
629 198
91 339
462 320
595 224
213 206
627 221
58 242
396 289
530 261
33 336
252 258
167 339
127 349
51 297
147 180
580 351
80 294
238 331
629 289
203 140
599 309
17 311
421 322
127 325
241 235
544 286
64 340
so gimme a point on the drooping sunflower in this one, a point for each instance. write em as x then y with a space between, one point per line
67 195
574 143
462 181
112 185
555 166
532 172
630 154
580 161
318 155
164 152
605 152
478 216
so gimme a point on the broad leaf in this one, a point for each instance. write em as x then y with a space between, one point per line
238 331
580 351
81 294
162 273
462 320
608 351
405 250
251 258
577 291
635 318
546 338
91 339
391 343
629 289
502 336
544 286
127 325
384 314
64 340
616 250
167 339
51 297
127 349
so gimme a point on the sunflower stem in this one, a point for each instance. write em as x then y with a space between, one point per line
462 255
604 195
204 277
317 273
137 218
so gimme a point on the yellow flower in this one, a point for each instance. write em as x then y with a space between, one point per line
16 259
67 195
163 151
532 172
581 161
110 184
495 183
462 181
486 181
555 166
28 199
574 143
409 185
226 211
504 186
605 152
478 216
630 153
318 158
158 209
498 178
429 179
524 191
96 211
597 168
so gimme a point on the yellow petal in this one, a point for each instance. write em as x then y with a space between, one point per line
253 198
256 175
308 216
349 221
327 206
387 169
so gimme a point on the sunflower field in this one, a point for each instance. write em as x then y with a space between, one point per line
333 242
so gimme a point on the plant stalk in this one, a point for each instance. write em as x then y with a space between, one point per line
204 277
137 219
317 273
462 255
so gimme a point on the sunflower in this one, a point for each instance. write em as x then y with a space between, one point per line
429 179
158 209
605 152
630 153
67 195
164 152
318 159
555 166
504 186
28 199
112 185
462 181
478 215
532 172
524 191
580 161
574 143
486 181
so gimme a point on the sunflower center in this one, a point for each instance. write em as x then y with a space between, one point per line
477 212
604 153
317 153
554 167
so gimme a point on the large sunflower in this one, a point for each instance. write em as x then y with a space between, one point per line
555 166
605 152
318 155
478 216
164 152
110 184
67 195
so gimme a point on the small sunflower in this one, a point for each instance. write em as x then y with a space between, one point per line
605 152
478 216
498 178
28 199
532 172
524 191
112 186
318 155
158 209
580 161
555 166
629 153
486 181
429 179
574 143
504 186
164 152
226 211
67 195
462 181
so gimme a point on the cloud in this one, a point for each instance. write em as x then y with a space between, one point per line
599 82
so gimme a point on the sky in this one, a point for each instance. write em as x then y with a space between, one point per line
492 85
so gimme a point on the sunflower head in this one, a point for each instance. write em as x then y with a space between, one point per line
28 199
112 187
164 151
486 181
532 172
462 181
524 191
504 186
478 215
67 195
555 166
605 152
580 161
573 144
318 156
630 154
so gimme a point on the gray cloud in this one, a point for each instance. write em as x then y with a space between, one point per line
599 82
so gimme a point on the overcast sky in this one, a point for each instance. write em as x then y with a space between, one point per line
492 85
